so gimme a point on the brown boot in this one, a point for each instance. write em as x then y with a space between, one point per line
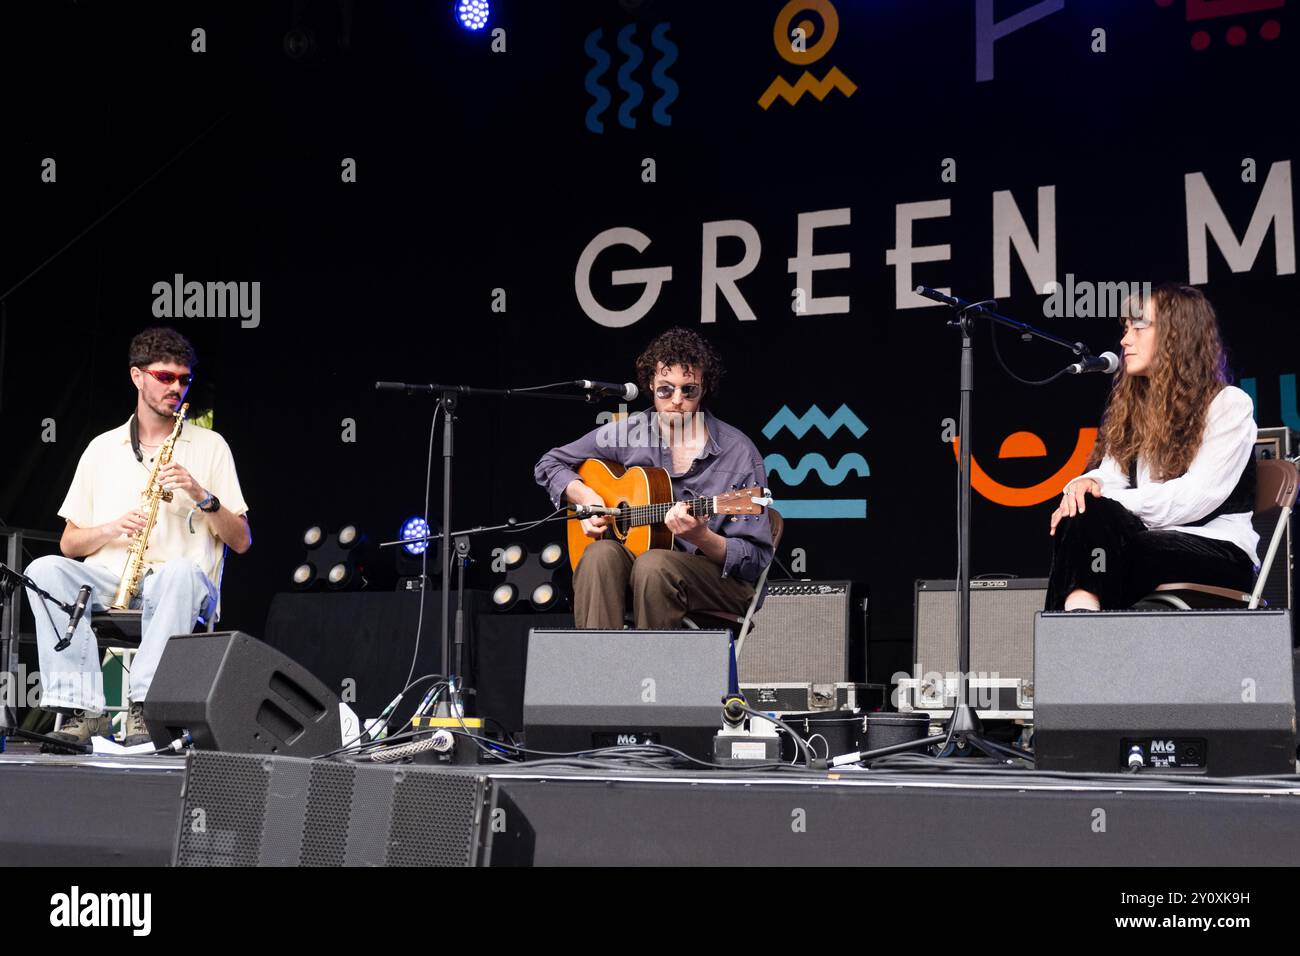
76 731
135 732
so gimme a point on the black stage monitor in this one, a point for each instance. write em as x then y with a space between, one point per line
591 689
1203 692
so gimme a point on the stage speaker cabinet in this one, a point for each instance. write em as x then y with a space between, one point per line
1001 627
587 689
1279 586
257 810
1207 692
232 692
800 635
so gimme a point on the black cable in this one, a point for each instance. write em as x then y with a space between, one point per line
529 525
800 744
542 388
385 723
424 555
993 337
626 750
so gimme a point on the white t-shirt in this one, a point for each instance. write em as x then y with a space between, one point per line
1229 441
109 482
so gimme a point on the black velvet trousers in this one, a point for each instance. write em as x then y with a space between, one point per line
1109 551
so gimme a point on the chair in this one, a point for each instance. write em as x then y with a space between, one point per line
725 620
1275 488
118 634
122 628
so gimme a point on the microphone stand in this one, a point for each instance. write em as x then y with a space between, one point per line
9 581
449 399
964 722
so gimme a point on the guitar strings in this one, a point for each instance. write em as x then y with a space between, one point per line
655 513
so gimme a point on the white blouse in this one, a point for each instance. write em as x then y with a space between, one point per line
1229 441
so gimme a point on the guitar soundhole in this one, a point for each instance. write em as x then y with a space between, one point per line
624 520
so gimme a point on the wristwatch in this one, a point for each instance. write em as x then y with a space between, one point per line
210 505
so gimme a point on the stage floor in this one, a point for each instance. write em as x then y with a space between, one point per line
97 811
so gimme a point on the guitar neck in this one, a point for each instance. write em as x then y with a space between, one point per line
639 515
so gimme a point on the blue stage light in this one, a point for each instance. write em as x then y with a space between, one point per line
472 14
415 527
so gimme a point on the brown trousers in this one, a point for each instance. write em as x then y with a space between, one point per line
665 586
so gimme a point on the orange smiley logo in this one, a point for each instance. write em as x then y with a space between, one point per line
1029 445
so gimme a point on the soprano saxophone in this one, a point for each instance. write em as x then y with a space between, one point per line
150 498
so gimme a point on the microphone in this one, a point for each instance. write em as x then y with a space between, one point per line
928 293
591 511
1107 362
401 387
74 618
627 391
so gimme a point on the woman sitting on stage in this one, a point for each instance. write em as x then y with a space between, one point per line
1175 487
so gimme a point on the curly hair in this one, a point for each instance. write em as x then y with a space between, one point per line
1161 415
683 347
161 345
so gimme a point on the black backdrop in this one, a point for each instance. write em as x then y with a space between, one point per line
479 170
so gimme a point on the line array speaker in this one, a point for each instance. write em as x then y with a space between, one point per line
257 810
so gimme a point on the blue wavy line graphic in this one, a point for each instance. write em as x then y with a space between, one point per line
800 424
592 48
625 81
659 74
792 475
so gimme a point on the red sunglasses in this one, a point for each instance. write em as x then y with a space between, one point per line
168 377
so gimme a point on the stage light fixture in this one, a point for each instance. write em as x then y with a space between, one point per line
532 577
416 558
304 576
544 596
472 14
414 527
334 560
504 597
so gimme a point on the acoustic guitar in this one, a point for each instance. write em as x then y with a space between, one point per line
637 499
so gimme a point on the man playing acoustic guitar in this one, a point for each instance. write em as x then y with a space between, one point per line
714 562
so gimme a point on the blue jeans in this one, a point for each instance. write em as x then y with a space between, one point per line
172 598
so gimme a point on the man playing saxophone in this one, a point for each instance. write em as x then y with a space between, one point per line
185 547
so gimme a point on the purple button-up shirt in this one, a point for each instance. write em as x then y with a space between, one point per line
728 461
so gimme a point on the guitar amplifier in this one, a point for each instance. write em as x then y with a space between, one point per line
1279 587
802 698
801 635
1001 627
